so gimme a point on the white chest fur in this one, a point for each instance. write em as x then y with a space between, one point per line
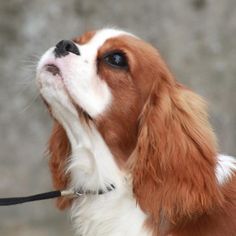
112 214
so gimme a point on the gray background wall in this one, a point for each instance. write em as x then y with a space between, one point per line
196 38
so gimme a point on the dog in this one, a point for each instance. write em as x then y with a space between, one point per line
133 141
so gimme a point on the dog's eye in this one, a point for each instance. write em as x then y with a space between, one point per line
116 59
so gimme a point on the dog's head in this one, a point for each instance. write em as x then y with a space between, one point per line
156 130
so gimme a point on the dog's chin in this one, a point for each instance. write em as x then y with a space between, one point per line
82 114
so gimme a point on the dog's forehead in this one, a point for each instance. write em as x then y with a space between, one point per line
97 38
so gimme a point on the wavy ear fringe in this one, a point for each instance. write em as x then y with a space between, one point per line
174 161
59 150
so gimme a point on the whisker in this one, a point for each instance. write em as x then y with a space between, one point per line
30 62
31 103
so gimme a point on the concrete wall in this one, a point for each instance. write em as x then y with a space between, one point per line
196 38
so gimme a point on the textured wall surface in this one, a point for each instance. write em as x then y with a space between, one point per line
196 38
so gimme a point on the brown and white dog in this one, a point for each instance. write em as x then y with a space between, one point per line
128 132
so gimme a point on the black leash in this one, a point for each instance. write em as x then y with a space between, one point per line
37 197
52 194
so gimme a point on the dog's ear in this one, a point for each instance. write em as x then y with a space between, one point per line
59 151
174 161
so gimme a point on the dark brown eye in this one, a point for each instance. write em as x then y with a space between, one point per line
116 59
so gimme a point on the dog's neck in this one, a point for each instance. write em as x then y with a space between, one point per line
92 167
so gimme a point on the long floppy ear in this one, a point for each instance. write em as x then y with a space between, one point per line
174 161
59 150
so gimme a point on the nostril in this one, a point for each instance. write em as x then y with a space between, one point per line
64 47
68 47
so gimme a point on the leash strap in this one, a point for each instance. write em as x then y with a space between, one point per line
52 194
19 200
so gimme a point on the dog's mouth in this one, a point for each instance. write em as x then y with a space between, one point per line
53 69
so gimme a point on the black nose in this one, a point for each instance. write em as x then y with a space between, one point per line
64 47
